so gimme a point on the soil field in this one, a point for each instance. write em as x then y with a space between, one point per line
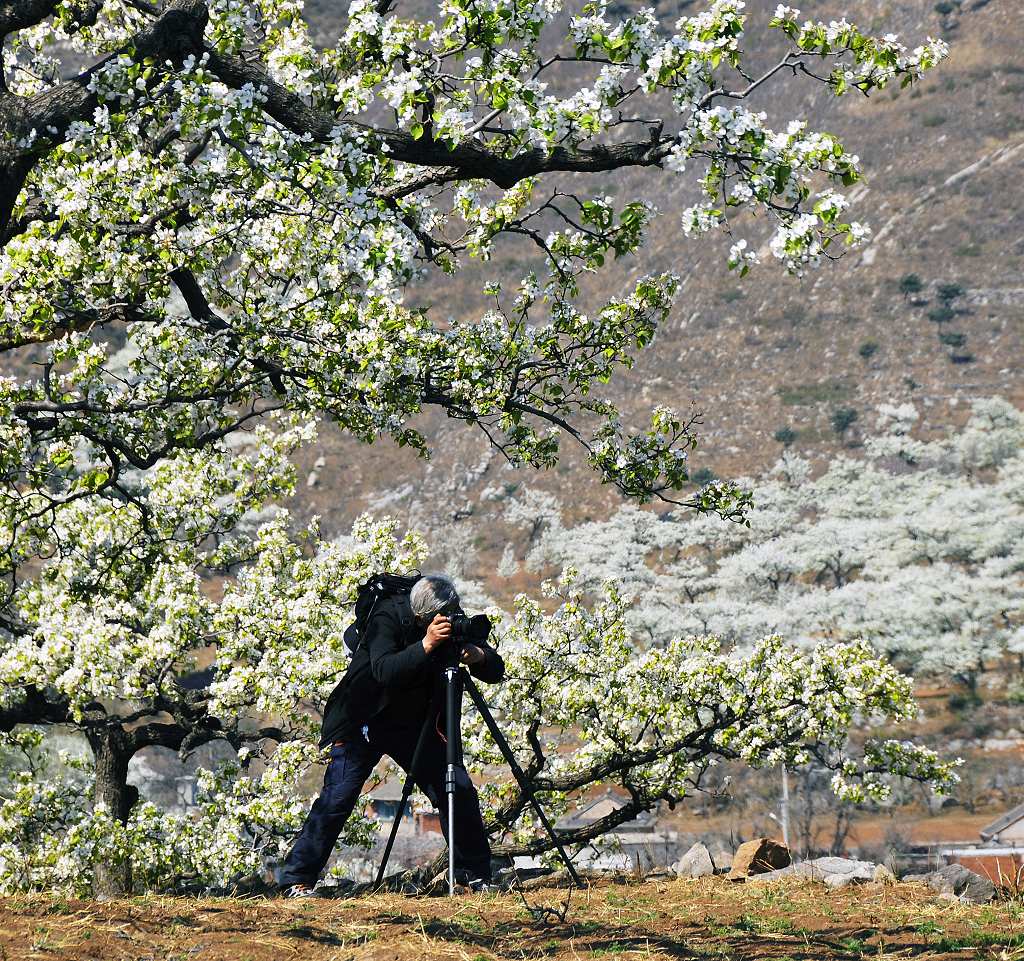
706 919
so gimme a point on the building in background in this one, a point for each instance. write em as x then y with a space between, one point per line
1000 857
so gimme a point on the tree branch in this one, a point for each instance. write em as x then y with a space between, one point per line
469 159
33 125
34 707
21 14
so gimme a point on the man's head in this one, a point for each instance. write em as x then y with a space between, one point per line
433 594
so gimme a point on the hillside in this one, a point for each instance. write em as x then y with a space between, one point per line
943 164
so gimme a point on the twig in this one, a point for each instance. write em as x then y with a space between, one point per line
542 913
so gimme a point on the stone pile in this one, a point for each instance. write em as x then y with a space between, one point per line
764 860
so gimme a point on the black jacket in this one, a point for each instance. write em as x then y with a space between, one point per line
391 677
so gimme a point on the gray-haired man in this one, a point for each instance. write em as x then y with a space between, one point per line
378 708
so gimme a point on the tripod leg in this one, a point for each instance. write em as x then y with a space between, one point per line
406 793
517 772
453 733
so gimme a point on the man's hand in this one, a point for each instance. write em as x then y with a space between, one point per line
439 632
471 654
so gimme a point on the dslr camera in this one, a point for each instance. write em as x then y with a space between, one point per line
466 629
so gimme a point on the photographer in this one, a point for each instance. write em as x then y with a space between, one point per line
379 708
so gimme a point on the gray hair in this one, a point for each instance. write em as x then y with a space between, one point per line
432 593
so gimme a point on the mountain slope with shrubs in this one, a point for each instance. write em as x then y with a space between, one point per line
931 312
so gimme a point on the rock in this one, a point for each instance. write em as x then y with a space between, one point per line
696 863
723 860
834 872
883 875
335 888
956 881
758 857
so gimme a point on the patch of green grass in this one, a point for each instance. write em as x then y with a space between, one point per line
776 898
928 928
717 928
933 120
981 939
823 392
58 904
761 925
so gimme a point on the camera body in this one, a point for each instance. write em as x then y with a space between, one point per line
466 629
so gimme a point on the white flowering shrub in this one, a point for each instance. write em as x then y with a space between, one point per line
582 705
916 547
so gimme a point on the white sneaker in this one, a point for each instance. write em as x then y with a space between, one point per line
299 891
480 886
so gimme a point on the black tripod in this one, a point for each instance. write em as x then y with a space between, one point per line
452 682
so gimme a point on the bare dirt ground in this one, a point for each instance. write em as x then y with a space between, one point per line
709 918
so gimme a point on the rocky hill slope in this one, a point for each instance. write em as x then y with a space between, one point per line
943 165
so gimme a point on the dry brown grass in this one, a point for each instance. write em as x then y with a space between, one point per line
709 918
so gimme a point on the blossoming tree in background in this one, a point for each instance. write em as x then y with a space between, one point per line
916 547
215 222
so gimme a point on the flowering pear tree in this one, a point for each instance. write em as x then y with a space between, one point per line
224 202
215 223
119 617
916 547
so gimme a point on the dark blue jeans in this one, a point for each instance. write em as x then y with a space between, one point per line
350 765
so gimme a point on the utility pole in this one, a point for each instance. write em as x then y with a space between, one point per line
785 806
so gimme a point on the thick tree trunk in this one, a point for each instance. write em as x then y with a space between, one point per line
12 179
112 751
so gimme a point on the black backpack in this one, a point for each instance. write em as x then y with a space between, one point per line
369 595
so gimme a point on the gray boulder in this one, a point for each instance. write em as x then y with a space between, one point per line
834 872
954 880
696 863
